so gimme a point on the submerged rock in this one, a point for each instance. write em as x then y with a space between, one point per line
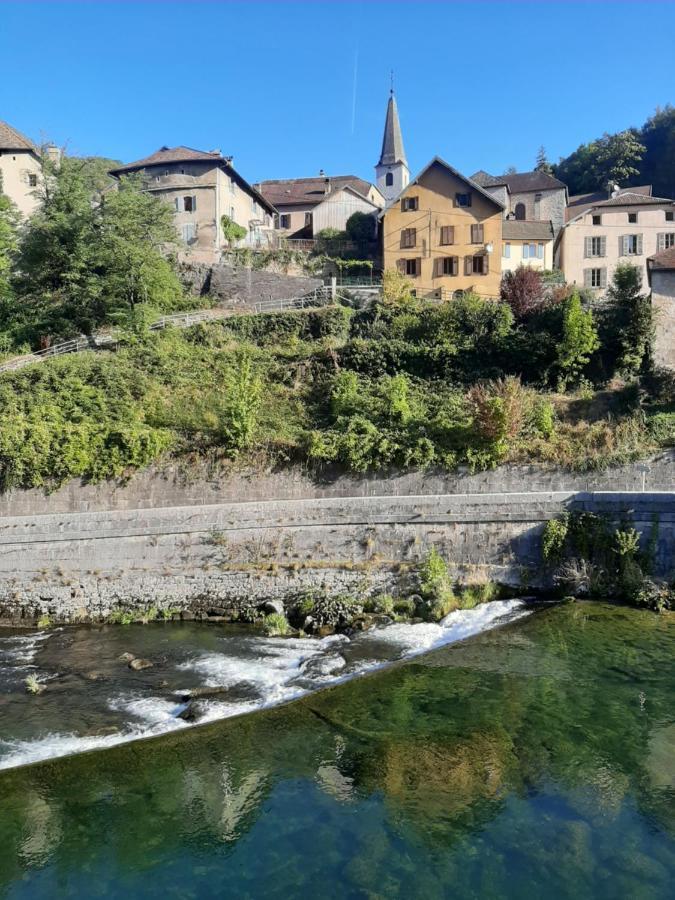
127 657
138 664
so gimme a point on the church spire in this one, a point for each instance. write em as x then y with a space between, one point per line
392 169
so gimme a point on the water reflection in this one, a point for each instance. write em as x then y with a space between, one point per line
518 762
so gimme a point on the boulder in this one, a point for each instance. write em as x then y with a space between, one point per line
269 607
138 664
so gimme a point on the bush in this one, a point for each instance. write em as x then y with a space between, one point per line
276 625
523 290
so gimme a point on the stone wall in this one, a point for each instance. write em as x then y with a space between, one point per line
218 558
663 302
240 285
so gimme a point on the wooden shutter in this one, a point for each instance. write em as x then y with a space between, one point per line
455 265
468 265
438 267
194 203
400 265
587 278
480 234
588 247
403 204
639 245
660 242
418 266
179 204
603 246
486 263
603 278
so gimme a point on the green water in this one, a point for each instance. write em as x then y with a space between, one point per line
534 760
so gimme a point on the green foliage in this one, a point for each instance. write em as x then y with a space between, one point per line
613 158
382 604
121 617
435 587
627 323
276 625
553 538
579 340
33 685
361 228
44 621
232 232
661 427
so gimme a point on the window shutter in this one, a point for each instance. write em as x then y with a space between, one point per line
468 265
639 245
178 204
588 247
486 264
418 266
660 242
603 246
400 265
438 267
480 234
603 278
194 203
455 265
403 206
623 245
587 278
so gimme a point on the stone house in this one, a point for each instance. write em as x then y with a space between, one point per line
444 232
528 196
203 187
306 206
20 169
661 276
527 244
628 226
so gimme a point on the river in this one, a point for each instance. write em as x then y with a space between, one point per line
499 754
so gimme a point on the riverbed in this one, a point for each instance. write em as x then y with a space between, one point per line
517 756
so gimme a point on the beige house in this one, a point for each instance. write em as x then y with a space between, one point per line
527 244
444 232
661 275
20 169
202 187
306 206
527 196
628 226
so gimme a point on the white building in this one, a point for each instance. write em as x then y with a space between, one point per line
392 170
20 169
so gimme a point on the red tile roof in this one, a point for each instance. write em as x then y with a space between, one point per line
170 155
663 260
11 139
308 191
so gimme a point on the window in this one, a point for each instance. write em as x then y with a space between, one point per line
476 234
665 241
254 207
630 245
166 171
285 220
540 251
408 237
447 234
388 179
190 204
308 220
529 251
449 265
670 217
597 220
462 199
408 204
595 246
413 267
520 211
595 278
506 250
632 218
32 181
476 265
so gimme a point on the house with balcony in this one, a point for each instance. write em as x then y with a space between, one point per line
628 226
202 187
444 232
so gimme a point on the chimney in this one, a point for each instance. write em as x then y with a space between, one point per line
614 190
53 154
326 183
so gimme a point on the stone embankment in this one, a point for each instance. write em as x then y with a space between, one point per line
216 544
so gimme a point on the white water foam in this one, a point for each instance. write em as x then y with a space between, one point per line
272 667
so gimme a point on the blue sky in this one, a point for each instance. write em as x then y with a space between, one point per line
290 88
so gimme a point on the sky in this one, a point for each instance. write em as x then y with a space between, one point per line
288 89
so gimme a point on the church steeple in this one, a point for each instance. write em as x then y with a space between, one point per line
392 169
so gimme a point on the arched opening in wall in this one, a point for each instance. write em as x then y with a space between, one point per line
389 179
520 211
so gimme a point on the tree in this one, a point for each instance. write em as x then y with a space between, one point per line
658 164
9 223
617 158
523 290
627 324
542 164
232 232
579 340
361 228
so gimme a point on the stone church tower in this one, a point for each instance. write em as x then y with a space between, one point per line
392 170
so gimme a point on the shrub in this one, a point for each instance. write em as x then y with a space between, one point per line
44 621
523 290
33 685
579 340
382 604
435 587
276 625
554 537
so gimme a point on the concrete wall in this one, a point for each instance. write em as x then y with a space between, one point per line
17 167
651 222
238 284
663 302
222 558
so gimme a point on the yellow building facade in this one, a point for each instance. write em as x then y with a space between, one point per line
444 232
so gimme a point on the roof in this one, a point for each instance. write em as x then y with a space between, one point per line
580 202
348 188
166 155
519 182
627 197
663 260
11 139
437 161
308 191
524 230
392 140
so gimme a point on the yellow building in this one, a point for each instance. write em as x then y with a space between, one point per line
444 232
